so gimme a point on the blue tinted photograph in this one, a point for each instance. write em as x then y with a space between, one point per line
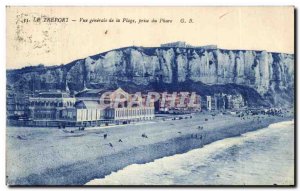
150 96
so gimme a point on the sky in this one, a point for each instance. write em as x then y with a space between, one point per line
54 43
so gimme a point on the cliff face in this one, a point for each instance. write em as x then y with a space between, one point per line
270 74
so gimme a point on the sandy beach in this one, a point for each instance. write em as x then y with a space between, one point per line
51 156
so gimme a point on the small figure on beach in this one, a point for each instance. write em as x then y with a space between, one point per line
144 135
179 132
20 137
200 127
120 140
111 145
105 136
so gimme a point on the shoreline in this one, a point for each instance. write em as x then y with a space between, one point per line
229 158
81 171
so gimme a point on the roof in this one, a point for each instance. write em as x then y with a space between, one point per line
91 93
99 92
54 95
89 105
120 91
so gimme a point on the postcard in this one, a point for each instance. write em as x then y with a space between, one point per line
150 96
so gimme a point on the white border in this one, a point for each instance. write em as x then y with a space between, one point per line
3 4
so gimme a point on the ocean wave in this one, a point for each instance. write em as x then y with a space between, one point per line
261 157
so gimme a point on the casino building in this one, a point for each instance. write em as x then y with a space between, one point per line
87 108
50 106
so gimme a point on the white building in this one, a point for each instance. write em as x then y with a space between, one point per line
132 113
209 103
59 109
50 106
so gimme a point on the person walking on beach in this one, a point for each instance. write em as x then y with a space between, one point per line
200 127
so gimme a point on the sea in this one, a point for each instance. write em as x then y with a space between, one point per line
262 157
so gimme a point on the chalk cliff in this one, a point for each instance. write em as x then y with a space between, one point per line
271 75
